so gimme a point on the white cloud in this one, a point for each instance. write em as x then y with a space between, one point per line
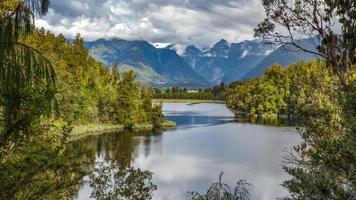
199 22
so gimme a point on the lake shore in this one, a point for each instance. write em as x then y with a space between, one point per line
81 131
187 101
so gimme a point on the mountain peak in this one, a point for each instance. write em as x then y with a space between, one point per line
191 49
222 41
222 44
220 49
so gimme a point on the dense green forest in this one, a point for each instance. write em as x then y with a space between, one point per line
88 91
281 91
215 93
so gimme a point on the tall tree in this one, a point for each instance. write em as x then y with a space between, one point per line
35 161
26 77
128 102
330 24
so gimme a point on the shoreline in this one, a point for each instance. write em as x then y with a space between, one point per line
82 131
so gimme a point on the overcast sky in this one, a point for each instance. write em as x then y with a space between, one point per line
199 22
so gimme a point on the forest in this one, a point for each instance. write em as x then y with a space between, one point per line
89 92
215 93
281 91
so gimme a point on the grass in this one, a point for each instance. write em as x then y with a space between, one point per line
169 124
91 129
138 127
97 129
187 101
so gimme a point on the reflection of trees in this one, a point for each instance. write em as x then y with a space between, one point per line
266 121
42 167
222 191
112 181
115 178
118 147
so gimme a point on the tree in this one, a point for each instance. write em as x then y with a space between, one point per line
329 24
115 75
112 181
157 118
27 78
35 161
43 166
323 164
129 109
222 191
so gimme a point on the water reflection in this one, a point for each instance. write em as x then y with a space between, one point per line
113 176
189 157
111 180
222 191
281 121
197 115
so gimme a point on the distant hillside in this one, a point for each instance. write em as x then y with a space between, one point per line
157 67
283 56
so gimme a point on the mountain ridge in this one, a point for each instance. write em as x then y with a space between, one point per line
161 65
166 67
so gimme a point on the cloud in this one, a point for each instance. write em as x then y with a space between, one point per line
199 22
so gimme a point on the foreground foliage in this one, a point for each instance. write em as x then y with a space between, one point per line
114 181
222 191
42 166
323 165
48 84
35 162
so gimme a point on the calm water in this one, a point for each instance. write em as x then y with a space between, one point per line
205 142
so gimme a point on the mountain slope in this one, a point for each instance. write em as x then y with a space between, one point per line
157 67
225 61
283 57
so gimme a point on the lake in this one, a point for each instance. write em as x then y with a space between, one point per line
206 141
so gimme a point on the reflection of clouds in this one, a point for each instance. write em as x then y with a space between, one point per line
177 174
191 159
174 167
265 185
173 173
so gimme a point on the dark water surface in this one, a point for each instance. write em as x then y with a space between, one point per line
206 141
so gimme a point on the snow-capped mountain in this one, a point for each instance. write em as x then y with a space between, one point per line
166 64
226 61
160 45
158 67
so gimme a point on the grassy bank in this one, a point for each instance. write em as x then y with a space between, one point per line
169 124
91 129
187 101
97 129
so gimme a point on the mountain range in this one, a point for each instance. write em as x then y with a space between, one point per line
164 66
